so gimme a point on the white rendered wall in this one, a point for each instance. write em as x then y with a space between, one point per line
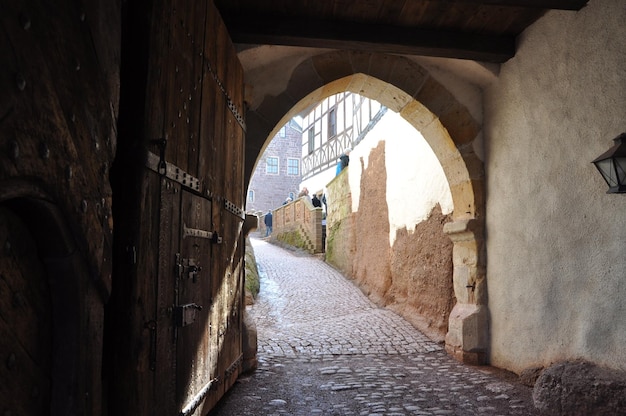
556 242
415 179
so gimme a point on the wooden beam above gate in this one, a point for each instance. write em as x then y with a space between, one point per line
481 30
374 38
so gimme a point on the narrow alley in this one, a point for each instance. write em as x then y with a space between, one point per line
325 349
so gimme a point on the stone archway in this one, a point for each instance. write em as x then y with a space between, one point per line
407 88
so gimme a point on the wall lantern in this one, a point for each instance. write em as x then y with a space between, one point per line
612 165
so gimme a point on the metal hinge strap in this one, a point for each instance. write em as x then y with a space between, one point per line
233 367
231 105
197 399
234 209
173 172
195 232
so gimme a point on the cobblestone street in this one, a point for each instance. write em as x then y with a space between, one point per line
325 349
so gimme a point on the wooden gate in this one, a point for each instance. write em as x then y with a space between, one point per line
175 342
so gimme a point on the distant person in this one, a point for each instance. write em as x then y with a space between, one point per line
344 161
303 192
288 200
268 223
316 202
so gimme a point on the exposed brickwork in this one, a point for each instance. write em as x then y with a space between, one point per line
271 190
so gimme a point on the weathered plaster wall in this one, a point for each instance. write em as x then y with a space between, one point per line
420 263
556 265
371 267
411 273
415 181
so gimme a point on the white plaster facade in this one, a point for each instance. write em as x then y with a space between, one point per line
556 268
416 182
415 179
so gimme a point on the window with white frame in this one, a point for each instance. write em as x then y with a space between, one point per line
293 166
271 165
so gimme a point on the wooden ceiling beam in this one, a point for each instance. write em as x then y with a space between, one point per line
539 4
263 30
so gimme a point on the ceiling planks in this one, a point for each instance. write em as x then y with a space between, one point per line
541 4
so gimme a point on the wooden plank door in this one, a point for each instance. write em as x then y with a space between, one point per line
177 304
195 360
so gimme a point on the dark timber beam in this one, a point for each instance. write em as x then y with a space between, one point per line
539 4
263 30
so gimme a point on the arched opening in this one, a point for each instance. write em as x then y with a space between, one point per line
51 358
450 130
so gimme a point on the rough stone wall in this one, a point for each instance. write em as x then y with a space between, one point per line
298 224
58 117
58 113
421 268
371 227
340 224
414 277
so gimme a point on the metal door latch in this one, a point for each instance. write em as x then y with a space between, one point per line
216 238
186 314
187 268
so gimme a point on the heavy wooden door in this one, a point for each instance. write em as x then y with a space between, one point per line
179 296
176 307
197 361
25 322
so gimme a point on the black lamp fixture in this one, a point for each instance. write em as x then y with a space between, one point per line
612 165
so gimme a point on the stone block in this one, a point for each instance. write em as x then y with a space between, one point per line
529 376
418 115
580 388
467 333
332 66
465 253
249 340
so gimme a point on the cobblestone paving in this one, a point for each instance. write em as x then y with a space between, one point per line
325 349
